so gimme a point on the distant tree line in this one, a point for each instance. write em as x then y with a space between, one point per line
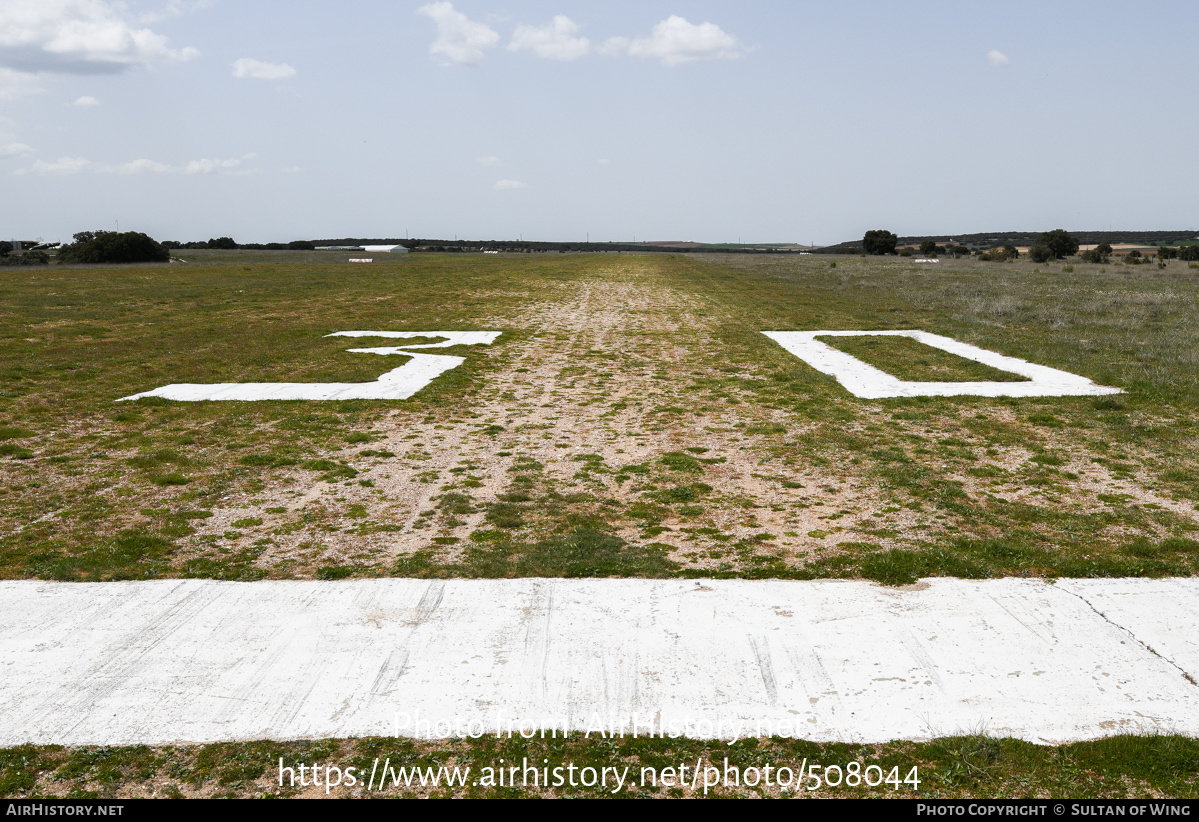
1051 245
994 240
229 244
536 247
436 245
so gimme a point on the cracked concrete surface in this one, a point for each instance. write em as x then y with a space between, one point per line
199 660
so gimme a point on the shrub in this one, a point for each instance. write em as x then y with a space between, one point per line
1000 255
28 258
1190 253
1167 252
111 247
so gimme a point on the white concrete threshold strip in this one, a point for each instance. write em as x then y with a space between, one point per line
200 661
868 382
397 384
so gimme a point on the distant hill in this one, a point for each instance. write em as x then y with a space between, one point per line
1024 238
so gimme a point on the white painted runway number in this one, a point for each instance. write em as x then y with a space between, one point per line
397 384
868 382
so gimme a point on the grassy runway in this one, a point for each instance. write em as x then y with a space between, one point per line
630 421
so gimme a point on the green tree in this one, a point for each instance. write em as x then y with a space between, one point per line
225 243
929 248
879 242
1098 254
1053 245
1167 252
111 247
5 248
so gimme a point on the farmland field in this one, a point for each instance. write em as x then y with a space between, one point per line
630 420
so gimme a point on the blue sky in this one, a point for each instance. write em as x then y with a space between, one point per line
706 121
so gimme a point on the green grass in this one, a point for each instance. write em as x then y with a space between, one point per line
909 359
977 766
709 428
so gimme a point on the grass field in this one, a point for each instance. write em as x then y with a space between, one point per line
961 767
631 420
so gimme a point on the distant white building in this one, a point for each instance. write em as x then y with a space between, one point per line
383 249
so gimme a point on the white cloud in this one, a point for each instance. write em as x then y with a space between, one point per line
14 84
258 70
202 166
85 101
997 58
141 167
508 185
675 41
75 165
488 161
77 37
556 40
175 8
208 166
14 150
290 170
459 40
64 165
